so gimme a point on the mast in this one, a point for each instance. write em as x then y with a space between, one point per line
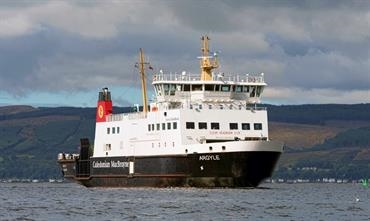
207 62
143 81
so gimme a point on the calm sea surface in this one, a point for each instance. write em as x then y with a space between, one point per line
68 201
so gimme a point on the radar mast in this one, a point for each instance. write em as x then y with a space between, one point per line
207 62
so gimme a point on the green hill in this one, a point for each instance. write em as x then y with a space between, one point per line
332 138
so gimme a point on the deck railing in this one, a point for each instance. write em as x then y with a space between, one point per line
215 77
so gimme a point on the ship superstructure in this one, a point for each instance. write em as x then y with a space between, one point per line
201 130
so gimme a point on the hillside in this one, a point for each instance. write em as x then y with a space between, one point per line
334 139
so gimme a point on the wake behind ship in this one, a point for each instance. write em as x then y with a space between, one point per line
201 131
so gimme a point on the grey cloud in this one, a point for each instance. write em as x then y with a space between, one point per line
303 44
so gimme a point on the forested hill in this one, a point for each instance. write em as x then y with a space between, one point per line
319 113
31 138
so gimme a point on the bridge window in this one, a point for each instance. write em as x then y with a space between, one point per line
215 126
246 126
174 125
258 126
172 89
239 88
208 87
190 125
149 127
113 130
246 89
152 127
225 88
158 126
108 130
163 126
166 88
186 87
202 125
117 130
168 126
217 87
259 91
253 91
233 126
196 87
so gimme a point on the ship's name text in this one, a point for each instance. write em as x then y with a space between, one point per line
109 164
209 157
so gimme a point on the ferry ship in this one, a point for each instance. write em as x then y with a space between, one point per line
202 130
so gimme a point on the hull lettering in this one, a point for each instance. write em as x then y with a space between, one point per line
209 157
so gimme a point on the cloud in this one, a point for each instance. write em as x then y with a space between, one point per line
308 46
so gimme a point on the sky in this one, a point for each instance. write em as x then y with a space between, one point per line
61 53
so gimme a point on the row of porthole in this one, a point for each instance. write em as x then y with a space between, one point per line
210 148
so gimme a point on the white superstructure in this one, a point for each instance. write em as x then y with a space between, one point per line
210 113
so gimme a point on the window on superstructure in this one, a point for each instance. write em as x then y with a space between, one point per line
215 126
159 88
108 130
217 87
246 89
202 125
190 125
179 87
169 126
210 106
246 126
209 87
233 126
186 87
196 87
174 125
200 106
149 127
172 89
113 130
225 88
117 130
163 126
253 92
166 89
152 127
221 106
158 127
258 126
239 88
259 90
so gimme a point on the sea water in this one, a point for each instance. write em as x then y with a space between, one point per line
69 201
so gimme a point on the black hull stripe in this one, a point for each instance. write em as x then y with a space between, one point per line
242 169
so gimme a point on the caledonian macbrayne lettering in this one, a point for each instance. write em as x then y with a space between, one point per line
209 157
109 164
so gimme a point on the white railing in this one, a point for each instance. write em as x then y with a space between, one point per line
129 116
215 77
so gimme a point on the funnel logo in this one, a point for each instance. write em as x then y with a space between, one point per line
100 111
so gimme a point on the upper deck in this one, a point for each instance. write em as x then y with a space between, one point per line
189 88
238 79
